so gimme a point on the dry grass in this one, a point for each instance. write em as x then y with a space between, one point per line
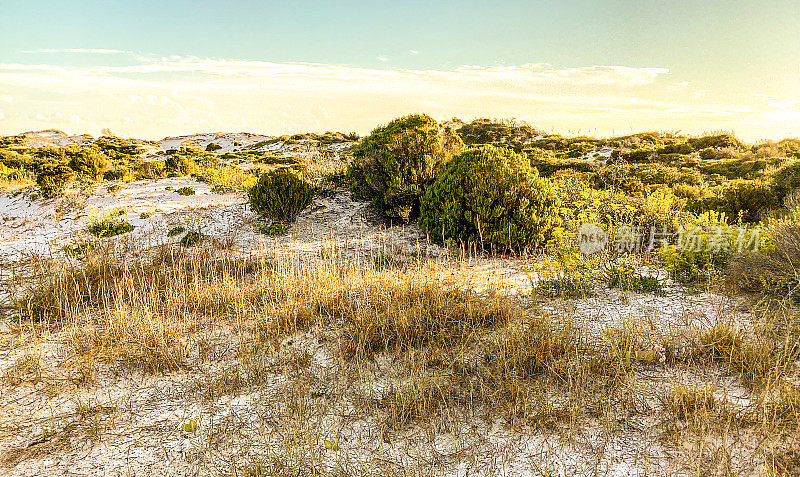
26 369
440 353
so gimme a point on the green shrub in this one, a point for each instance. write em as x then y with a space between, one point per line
690 264
273 230
185 191
718 141
89 163
177 230
109 227
280 195
493 196
564 287
623 276
493 131
177 165
395 163
113 188
53 178
746 199
212 146
151 170
191 238
786 179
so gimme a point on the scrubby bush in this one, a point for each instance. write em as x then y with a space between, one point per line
185 191
786 179
177 230
702 250
109 227
393 165
718 141
745 199
493 196
151 170
53 178
280 195
89 163
177 165
212 146
191 238
496 131
771 271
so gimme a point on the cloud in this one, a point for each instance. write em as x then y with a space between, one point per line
413 52
90 51
383 58
184 94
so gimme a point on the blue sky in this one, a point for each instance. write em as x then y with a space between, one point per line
156 68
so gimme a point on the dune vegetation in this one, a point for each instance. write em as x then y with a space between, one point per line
553 305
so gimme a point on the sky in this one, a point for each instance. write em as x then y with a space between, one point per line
152 69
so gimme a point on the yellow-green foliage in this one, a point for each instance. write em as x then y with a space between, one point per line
395 163
491 196
280 195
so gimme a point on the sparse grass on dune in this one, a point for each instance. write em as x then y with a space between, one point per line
440 351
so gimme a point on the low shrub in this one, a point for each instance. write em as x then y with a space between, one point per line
786 179
492 196
773 271
191 238
151 170
745 199
53 178
395 163
109 227
185 191
174 231
273 230
89 163
178 165
623 276
280 195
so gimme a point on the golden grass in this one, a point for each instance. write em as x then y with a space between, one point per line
443 352
26 369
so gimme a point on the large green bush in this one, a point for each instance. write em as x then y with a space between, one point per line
280 195
746 199
490 195
53 178
89 163
786 179
393 165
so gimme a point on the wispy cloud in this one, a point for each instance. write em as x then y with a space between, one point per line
180 94
90 51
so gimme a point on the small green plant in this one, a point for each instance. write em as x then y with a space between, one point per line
177 230
387 261
273 230
564 287
190 427
109 227
623 276
113 188
332 444
145 215
280 195
185 191
192 238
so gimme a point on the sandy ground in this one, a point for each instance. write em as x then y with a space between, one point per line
138 417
